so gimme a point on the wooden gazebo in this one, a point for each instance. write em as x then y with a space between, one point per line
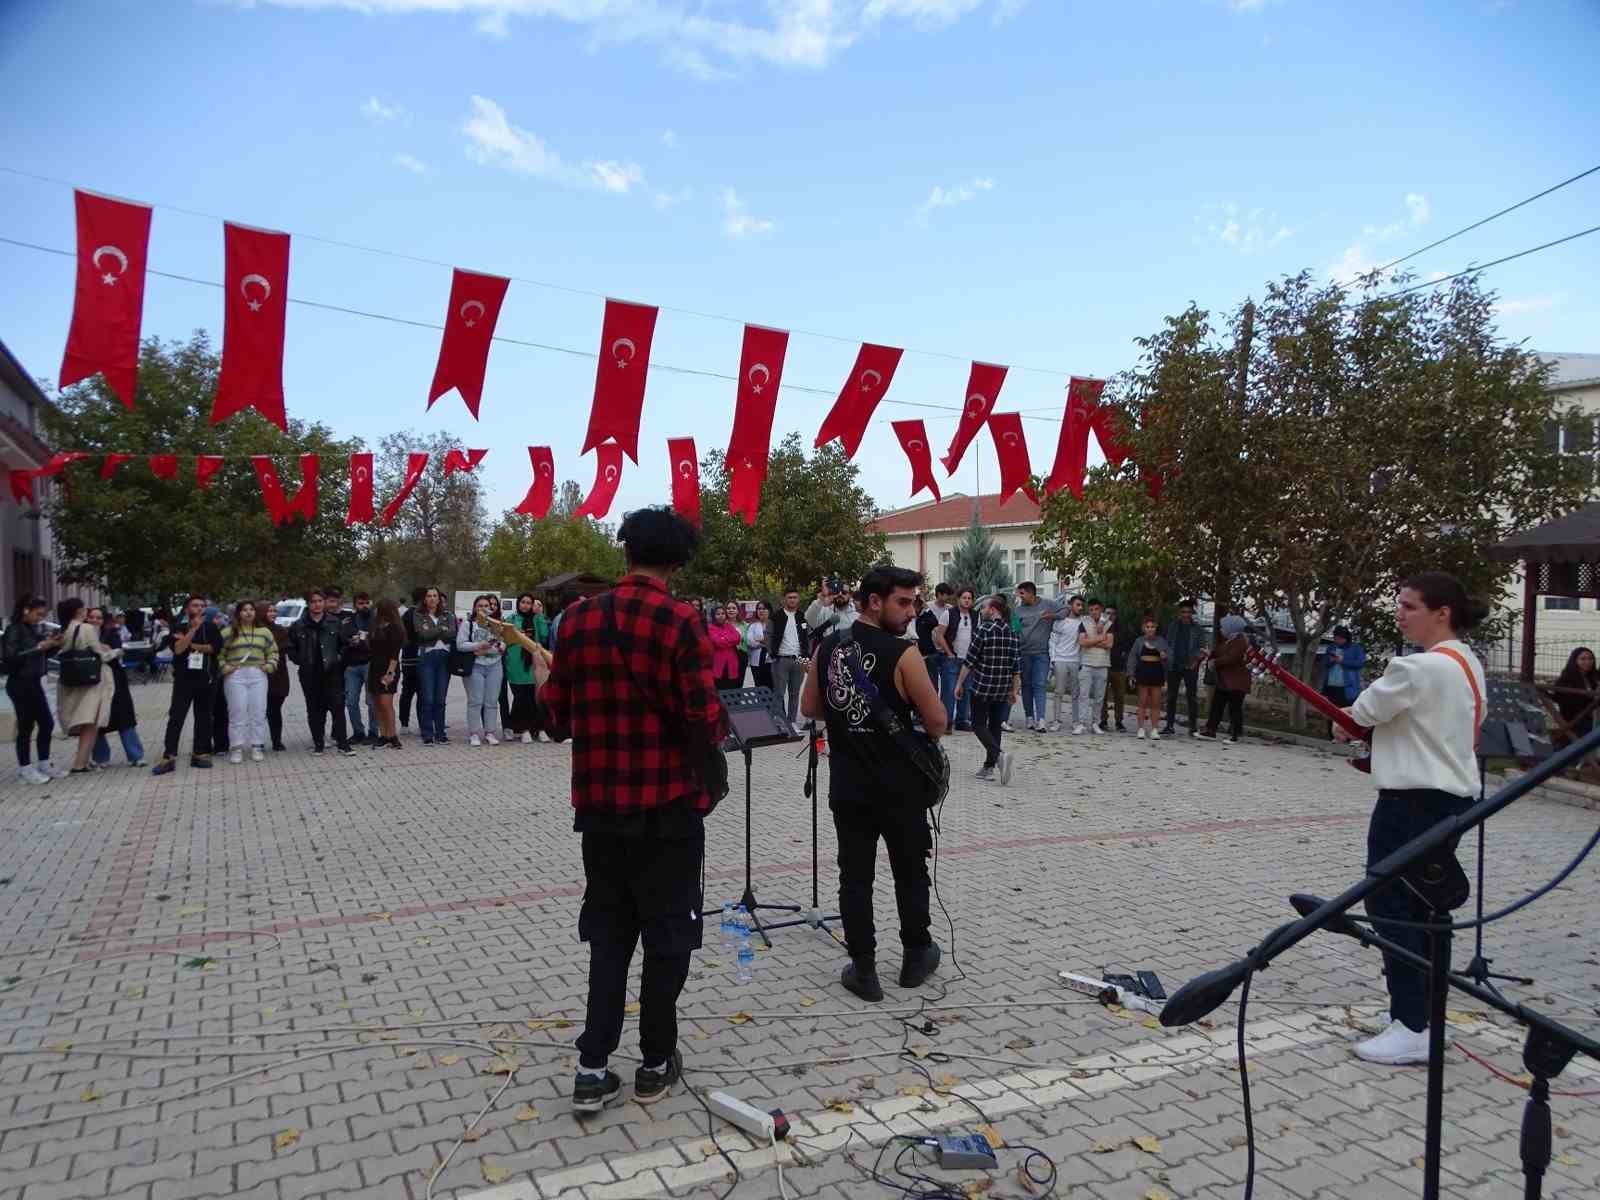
1559 558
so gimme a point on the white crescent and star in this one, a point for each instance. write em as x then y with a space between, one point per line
361 474
114 252
477 304
766 377
1009 438
867 387
546 469
266 290
616 351
914 444
611 474
686 468
976 403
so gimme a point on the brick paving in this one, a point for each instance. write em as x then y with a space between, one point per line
296 979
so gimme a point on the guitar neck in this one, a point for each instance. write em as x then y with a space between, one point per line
1309 694
510 633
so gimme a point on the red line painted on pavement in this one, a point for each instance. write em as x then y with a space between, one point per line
118 909
190 941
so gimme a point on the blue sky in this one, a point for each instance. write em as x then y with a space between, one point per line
1030 182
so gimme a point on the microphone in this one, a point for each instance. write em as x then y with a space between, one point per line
1203 994
1305 904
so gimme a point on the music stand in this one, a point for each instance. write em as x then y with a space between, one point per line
755 721
1513 727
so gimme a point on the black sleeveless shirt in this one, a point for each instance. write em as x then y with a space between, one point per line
865 766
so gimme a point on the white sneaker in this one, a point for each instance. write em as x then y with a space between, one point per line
1097 729
527 739
475 740
506 735
1155 735
51 771
235 756
1005 767
1396 1046
540 737
32 774
1005 727
1077 729
491 739
1053 727
1141 733
255 754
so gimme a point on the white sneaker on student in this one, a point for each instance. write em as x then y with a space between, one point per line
1155 735
235 756
1097 728
1053 727
1396 1046
475 740
527 739
1005 767
506 735
491 739
1005 727
52 771
32 774
256 755
1077 728
1141 733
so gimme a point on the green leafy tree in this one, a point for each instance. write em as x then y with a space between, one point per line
438 535
147 539
977 562
522 551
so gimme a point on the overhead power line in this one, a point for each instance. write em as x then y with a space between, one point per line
1486 220
1416 287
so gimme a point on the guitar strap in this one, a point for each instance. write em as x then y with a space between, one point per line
1477 696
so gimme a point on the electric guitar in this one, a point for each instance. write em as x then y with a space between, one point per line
1260 663
508 632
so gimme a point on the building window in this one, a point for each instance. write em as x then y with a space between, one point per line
1561 604
945 566
1019 566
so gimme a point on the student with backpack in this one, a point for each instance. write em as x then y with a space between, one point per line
24 650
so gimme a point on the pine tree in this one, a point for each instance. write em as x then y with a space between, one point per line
978 563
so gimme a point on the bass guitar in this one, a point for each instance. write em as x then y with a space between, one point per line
507 632
1261 663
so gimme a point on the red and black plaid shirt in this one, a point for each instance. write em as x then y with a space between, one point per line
637 725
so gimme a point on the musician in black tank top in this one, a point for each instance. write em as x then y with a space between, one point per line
874 790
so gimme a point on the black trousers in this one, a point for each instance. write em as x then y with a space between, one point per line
1190 682
196 693
408 691
219 719
762 674
1222 698
905 833
33 715
275 718
324 698
638 887
987 718
505 699
1399 817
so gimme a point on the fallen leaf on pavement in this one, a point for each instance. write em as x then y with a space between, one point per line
268 1011
839 1105
424 941
948 1081
1150 1023
409 1051
918 1051
914 1090
492 1173
89 1093
382 916
1157 1193
561 1024
1150 1145
1026 1180
501 1066
974 1188
449 1060
1020 1043
993 1137
1460 1017
191 910
534 1025
1104 1146
135 992
472 1134
1237 1142
631 1009
286 1139
739 1018
526 1113
1419 1163
1564 1159
807 1001
58 1047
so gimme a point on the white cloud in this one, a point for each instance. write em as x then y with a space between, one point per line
665 200
669 139
1530 304
704 38
377 110
411 163
495 142
738 223
1247 5
1362 256
1249 232
943 197
1417 206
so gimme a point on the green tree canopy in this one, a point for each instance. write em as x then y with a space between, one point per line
438 535
522 551
978 562
148 538
1108 540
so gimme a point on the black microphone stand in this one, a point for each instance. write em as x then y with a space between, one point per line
1426 863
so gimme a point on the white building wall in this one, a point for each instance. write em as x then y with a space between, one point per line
931 553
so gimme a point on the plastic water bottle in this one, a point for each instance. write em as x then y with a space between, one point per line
746 948
729 936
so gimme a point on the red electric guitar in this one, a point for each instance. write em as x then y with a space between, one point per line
1260 662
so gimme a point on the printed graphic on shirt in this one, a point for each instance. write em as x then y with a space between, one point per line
843 694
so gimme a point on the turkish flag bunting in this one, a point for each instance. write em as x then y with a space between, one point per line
256 290
1110 427
619 376
112 462
457 460
22 485
1011 447
914 441
113 245
304 504
983 390
542 491
164 466
468 329
1072 447
760 373
868 382
416 464
271 488
607 473
685 478
744 491
359 511
205 467
59 462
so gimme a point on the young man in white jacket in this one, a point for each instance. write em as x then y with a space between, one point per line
1066 655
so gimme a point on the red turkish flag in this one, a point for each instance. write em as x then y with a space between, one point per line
60 461
913 437
756 401
304 504
108 305
113 461
205 467
416 464
542 491
685 478
456 460
868 382
1072 446
1011 447
607 474
21 480
619 376
468 329
359 511
271 488
744 492
164 466
1110 427
256 291
983 391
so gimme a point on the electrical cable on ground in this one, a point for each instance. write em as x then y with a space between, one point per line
1512 1079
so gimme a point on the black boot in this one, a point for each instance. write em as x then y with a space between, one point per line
861 978
919 963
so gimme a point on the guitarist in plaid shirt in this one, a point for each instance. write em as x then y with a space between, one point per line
632 677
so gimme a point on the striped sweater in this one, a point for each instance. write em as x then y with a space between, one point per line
252 647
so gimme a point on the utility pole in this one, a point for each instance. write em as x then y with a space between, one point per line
1222 592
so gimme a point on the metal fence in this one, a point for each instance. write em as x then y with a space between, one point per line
1550 655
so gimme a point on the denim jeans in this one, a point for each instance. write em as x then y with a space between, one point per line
483 696
1035 670
949 672
433 688
131 746
355 685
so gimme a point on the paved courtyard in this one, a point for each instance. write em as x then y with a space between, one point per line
321 977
